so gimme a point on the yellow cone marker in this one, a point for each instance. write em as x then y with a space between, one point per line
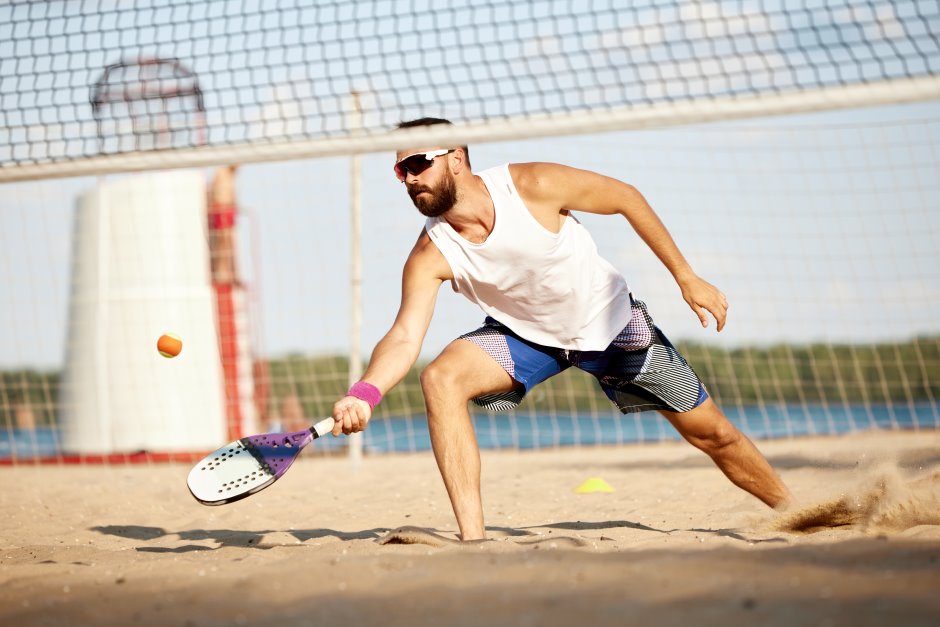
594 484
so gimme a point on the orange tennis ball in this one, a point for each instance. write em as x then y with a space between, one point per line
169 345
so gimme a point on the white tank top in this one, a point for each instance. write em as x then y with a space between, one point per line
549 288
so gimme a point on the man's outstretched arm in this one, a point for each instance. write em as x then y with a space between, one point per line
550 187
398 350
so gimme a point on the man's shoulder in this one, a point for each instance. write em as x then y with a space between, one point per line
427 259
536 179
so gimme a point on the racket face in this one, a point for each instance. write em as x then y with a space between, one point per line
245 466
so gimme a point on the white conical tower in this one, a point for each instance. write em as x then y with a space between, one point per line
141 269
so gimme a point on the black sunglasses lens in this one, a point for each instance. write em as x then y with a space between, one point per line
415 164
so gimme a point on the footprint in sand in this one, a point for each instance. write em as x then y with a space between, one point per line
417 535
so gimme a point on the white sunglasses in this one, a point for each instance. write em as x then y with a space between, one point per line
418 162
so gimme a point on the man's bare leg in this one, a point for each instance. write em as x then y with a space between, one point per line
462 372
708 429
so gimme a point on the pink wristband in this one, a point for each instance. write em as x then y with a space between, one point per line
366 392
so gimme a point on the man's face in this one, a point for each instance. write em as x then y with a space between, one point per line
433 191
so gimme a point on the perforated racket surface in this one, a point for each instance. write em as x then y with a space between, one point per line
249 465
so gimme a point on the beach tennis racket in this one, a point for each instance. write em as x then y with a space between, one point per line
249 465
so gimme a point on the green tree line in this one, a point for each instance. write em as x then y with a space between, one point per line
785 373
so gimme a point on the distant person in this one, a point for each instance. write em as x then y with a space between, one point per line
24 417
506 239
223 209
230 298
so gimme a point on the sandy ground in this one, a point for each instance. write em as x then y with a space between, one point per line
674 544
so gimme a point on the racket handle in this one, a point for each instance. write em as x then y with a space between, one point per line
323 427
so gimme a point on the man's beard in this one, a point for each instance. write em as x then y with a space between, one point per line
436 201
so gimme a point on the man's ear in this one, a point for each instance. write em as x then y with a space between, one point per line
458 161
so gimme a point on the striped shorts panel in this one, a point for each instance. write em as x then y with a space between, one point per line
640 371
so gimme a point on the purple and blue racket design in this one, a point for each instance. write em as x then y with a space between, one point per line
249 465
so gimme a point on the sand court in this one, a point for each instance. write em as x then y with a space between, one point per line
674 542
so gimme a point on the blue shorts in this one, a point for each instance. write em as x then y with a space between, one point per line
640 370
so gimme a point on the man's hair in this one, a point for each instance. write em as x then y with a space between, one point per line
433 122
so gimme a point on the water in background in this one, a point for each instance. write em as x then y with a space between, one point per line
536 431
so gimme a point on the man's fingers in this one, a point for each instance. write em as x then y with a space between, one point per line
351 424
342 420
721 316
337 423
720 311
701 314
705 299
347 423
349 417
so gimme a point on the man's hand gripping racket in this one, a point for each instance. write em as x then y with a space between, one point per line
249 465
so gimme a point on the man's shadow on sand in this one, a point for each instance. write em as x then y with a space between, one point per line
240 538
626 524
226 537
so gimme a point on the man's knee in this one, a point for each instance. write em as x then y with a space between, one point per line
432 377
441 377
462 372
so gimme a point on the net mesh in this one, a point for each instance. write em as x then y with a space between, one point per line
284 73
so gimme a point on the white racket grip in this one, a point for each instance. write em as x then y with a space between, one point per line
324 426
